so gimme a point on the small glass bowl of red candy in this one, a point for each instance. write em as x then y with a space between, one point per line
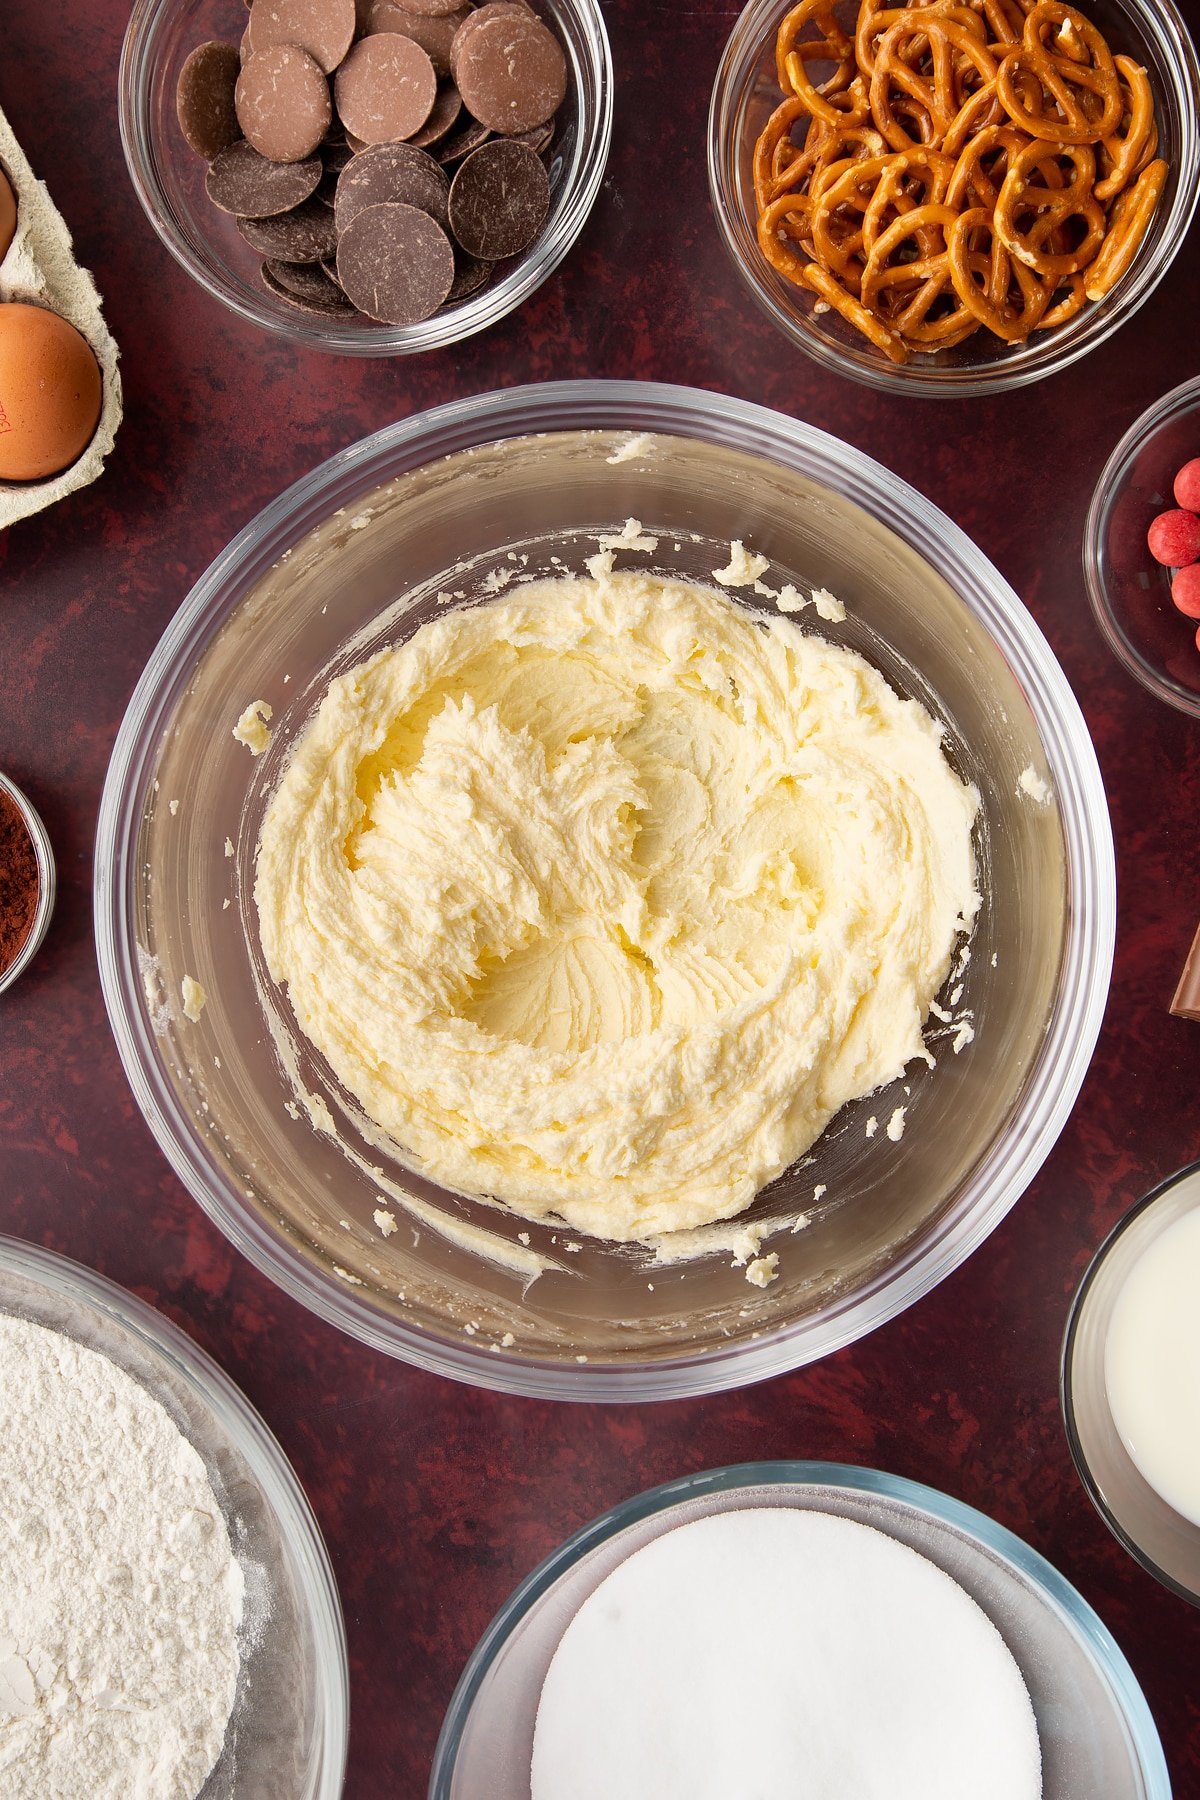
1129 588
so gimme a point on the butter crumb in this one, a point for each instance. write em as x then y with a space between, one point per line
291 1109
1030 782
385 1220
763 1270
229 846
523 1237
790 599
251 728
872 1126
641 445
895 1125
964 1034
743 568
173 806
630 537
345 1275
194 998
507 1341
319 1114
828 605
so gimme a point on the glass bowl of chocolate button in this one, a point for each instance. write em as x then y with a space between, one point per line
604 891
375 178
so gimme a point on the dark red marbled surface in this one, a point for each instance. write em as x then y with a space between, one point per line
435 1499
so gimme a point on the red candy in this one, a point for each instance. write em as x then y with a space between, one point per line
1174 538
1187 485
1185 590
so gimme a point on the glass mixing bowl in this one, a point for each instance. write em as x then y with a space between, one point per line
354 557
287 1734
168 178
744 96
1096 1732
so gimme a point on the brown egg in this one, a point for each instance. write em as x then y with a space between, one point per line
50 392
8 214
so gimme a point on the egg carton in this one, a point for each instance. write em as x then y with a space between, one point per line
40 268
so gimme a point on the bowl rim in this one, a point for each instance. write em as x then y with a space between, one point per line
1108 1658
43 850
1066 1380
1065 1052
1172 405
479 312
244 1426
1162 19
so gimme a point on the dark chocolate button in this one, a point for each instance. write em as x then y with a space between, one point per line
204 99
326 306
385 89
499 200
282 101
392 173
335 155
307 281
435 34
461 141
242 182
447 109
306 235
325 28
470 275
395 263
511 72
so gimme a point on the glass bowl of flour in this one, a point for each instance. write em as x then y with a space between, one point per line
854 1607
764 555
171 1623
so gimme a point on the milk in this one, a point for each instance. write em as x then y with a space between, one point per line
1152 1365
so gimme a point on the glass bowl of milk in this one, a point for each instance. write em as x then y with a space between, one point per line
1131 1382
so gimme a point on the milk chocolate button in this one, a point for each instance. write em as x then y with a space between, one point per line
491 9
204 99
385 89
435 34
308 286
306 235
499 200
325 28
395 263
392 172
430 8
242 182
282 101
511 72
461 141
446 111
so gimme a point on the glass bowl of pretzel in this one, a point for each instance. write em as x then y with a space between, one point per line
957 197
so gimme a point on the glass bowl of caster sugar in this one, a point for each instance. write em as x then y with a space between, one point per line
170 1628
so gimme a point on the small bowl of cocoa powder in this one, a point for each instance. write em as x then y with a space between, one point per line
26 882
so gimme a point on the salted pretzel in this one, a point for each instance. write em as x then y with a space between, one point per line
953 166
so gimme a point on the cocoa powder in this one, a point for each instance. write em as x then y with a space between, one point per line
20 885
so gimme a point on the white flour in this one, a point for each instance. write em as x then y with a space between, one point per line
119 1593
